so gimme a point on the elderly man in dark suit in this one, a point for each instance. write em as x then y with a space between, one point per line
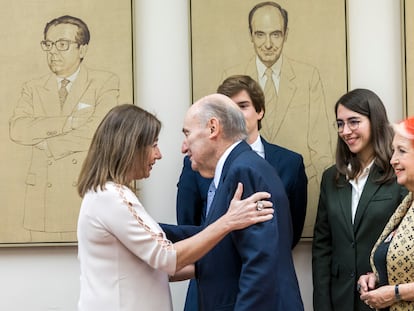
251 269
192 187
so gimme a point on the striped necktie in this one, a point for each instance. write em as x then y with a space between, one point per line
63 91
271 106
210 196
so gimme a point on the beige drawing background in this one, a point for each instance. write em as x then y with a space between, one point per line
317 36
409 55
22 59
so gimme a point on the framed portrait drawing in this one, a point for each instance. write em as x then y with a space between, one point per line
65 64
308 55
407 10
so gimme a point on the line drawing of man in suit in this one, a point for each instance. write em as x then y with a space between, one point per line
56 116
250 269
296 113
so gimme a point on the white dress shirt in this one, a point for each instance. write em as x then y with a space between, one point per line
357 188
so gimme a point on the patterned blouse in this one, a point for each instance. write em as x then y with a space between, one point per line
400 255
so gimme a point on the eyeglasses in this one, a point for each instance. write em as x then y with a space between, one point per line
61 44
352 124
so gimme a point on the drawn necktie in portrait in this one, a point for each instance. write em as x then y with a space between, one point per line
303 46
70 69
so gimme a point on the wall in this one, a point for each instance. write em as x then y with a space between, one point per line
46 278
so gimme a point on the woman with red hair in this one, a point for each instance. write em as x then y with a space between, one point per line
391 284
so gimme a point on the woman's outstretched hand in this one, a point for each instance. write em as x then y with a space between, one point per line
244 213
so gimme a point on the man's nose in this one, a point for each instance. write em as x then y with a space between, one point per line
268 42
184 147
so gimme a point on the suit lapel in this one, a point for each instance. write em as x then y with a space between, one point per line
345 202
48 92
78 88
369 191
287 90
251 69
215 212
271 154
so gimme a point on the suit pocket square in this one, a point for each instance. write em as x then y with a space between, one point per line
83 106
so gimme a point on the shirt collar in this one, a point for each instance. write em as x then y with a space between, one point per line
258 147
71 78
261 68
220 163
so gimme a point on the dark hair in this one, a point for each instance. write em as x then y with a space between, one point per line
82 36
124 134
237 83
367 103
273 4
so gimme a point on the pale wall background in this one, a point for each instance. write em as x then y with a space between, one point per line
46 278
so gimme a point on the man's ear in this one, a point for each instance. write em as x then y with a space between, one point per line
213 125
261 114
286 34
82 50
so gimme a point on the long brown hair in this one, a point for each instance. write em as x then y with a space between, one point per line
367 103
124 134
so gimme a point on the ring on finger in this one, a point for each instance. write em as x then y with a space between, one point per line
259 206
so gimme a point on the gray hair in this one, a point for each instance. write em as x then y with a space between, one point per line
227 112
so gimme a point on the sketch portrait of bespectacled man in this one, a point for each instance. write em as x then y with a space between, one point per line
299 99
52 121
56 116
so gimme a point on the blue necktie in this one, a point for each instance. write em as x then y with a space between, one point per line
210 196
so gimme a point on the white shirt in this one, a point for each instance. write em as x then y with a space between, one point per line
258 147
71 79
357 188
220 163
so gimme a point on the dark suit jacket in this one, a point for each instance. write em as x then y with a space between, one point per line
341 250
192 188
250 269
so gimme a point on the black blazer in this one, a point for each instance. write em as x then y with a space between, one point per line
341 250
250 269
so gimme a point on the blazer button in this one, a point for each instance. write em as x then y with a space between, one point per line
74 161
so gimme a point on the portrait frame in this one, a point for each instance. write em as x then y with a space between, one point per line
25 63
220 41
407 14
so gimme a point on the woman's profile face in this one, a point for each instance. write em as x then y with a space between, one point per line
142 169
355 130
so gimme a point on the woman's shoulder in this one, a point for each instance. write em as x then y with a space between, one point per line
110 192
330 171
